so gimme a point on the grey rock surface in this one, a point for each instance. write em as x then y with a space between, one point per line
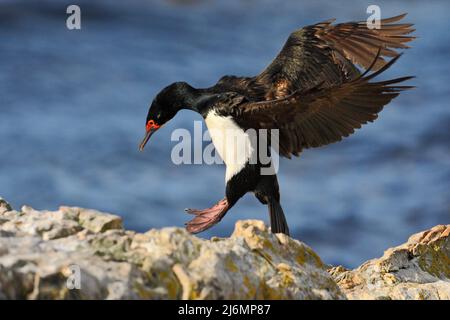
416 270
42 252
76 253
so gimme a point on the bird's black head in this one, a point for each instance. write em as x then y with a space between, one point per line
167 103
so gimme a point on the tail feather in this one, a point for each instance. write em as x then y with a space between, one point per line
278 221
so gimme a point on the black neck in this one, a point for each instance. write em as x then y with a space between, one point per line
181 95
185 97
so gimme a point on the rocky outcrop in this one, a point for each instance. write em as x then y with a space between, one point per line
76 253
43 252
416 270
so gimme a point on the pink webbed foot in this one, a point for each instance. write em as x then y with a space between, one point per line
206 218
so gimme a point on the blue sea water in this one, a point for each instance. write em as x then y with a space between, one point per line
73 107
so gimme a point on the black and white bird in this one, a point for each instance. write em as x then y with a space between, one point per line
313 93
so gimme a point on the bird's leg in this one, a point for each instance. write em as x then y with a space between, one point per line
267 192
206 218
278 223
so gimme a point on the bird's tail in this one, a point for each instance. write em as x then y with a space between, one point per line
278 221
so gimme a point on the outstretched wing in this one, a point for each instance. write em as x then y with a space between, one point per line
319 116
326 53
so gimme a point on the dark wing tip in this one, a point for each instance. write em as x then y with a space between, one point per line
366 77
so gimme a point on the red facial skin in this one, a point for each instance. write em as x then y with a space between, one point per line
152 125
150 128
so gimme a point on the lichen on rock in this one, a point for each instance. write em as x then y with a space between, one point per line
416 270
76 253
38 249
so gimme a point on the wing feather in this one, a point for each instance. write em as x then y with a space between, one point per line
329 53
322 115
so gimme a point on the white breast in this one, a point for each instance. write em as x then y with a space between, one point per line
231 142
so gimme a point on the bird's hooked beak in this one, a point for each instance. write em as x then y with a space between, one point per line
150 128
